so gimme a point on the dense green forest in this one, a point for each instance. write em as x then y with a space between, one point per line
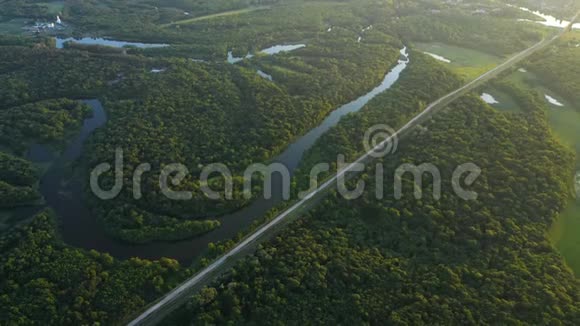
365 261
249 121
420 261
38 73
227 114
424 81
17 179
45 122
135 225
485 33
16 171
48 122
110 14
43 281
27 8
421 83
132 16
553 72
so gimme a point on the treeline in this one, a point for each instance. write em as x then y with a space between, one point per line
50 121
39 73
493 35
559 66
422 82
13 196
211 39
43 281
17 171
141 17
17 181
409 261
192 113
25 9
135 225
18 40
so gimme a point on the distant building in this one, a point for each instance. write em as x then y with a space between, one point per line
39 27
43 26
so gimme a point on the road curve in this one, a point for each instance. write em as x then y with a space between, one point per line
162 307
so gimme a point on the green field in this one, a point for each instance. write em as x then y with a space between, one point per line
564 234
54 8
221 14
468 63
565 122
566 231
12 26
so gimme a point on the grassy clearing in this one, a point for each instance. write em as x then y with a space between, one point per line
565 122
221 14
468 63
53 8
12 26
564 234
562 118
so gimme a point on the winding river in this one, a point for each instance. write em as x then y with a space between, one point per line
79 228
273 50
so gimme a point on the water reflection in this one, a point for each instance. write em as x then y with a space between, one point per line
106 42
553 101
273 50
489 99
282 48
265 75
438 57
39 153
